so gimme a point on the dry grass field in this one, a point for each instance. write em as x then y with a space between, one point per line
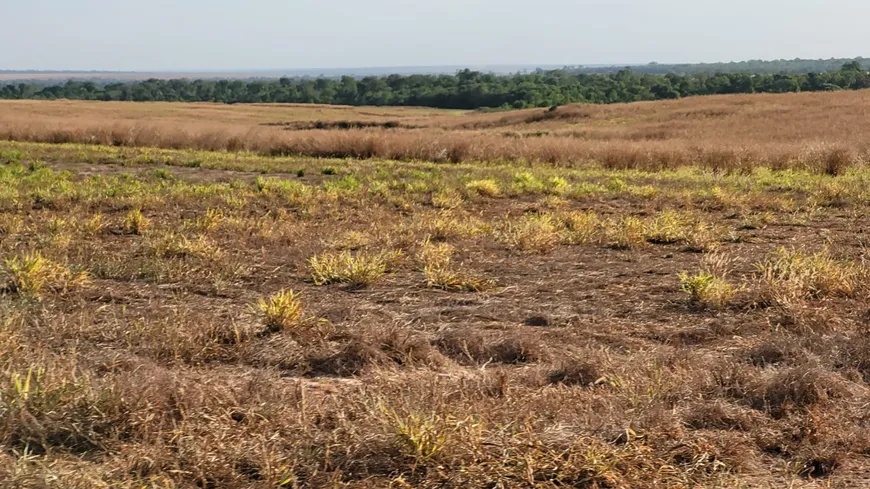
633 296
817 132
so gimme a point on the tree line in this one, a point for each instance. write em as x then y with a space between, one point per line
464 90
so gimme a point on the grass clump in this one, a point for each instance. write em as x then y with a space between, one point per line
526 182
447 278
485 188
536 233
447 225
435 254
447 199
703 238
354 269
627 233
95 225
176 245
163 174
558 186
795 274
669 227
32 275
281 311
674 227
425 437
435 260
10 225
135 223
710 287
706 289
581 227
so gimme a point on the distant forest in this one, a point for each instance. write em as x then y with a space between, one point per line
475 90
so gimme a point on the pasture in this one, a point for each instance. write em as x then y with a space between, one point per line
668 294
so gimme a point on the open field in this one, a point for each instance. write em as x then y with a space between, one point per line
814 131
178 318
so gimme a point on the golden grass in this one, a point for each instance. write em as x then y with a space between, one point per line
354 269
818 131
281 310
186 360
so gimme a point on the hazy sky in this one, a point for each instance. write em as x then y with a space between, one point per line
270 34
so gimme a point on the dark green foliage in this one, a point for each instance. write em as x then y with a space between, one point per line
469 89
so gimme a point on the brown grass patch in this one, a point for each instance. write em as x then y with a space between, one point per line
788 130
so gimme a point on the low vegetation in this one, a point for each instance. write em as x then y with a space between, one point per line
174 318
818 132
280 311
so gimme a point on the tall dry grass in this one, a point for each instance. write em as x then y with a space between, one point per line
818 131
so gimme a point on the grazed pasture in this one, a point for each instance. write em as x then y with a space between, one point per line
175 318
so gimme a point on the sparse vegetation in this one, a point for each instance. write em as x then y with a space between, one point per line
31 275
135 222
538 233
795 274
354 269
280 311
711 286
486 188
496 319
436 261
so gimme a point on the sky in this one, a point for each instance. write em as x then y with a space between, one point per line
214 35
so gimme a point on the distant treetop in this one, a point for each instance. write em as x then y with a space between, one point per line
467 89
